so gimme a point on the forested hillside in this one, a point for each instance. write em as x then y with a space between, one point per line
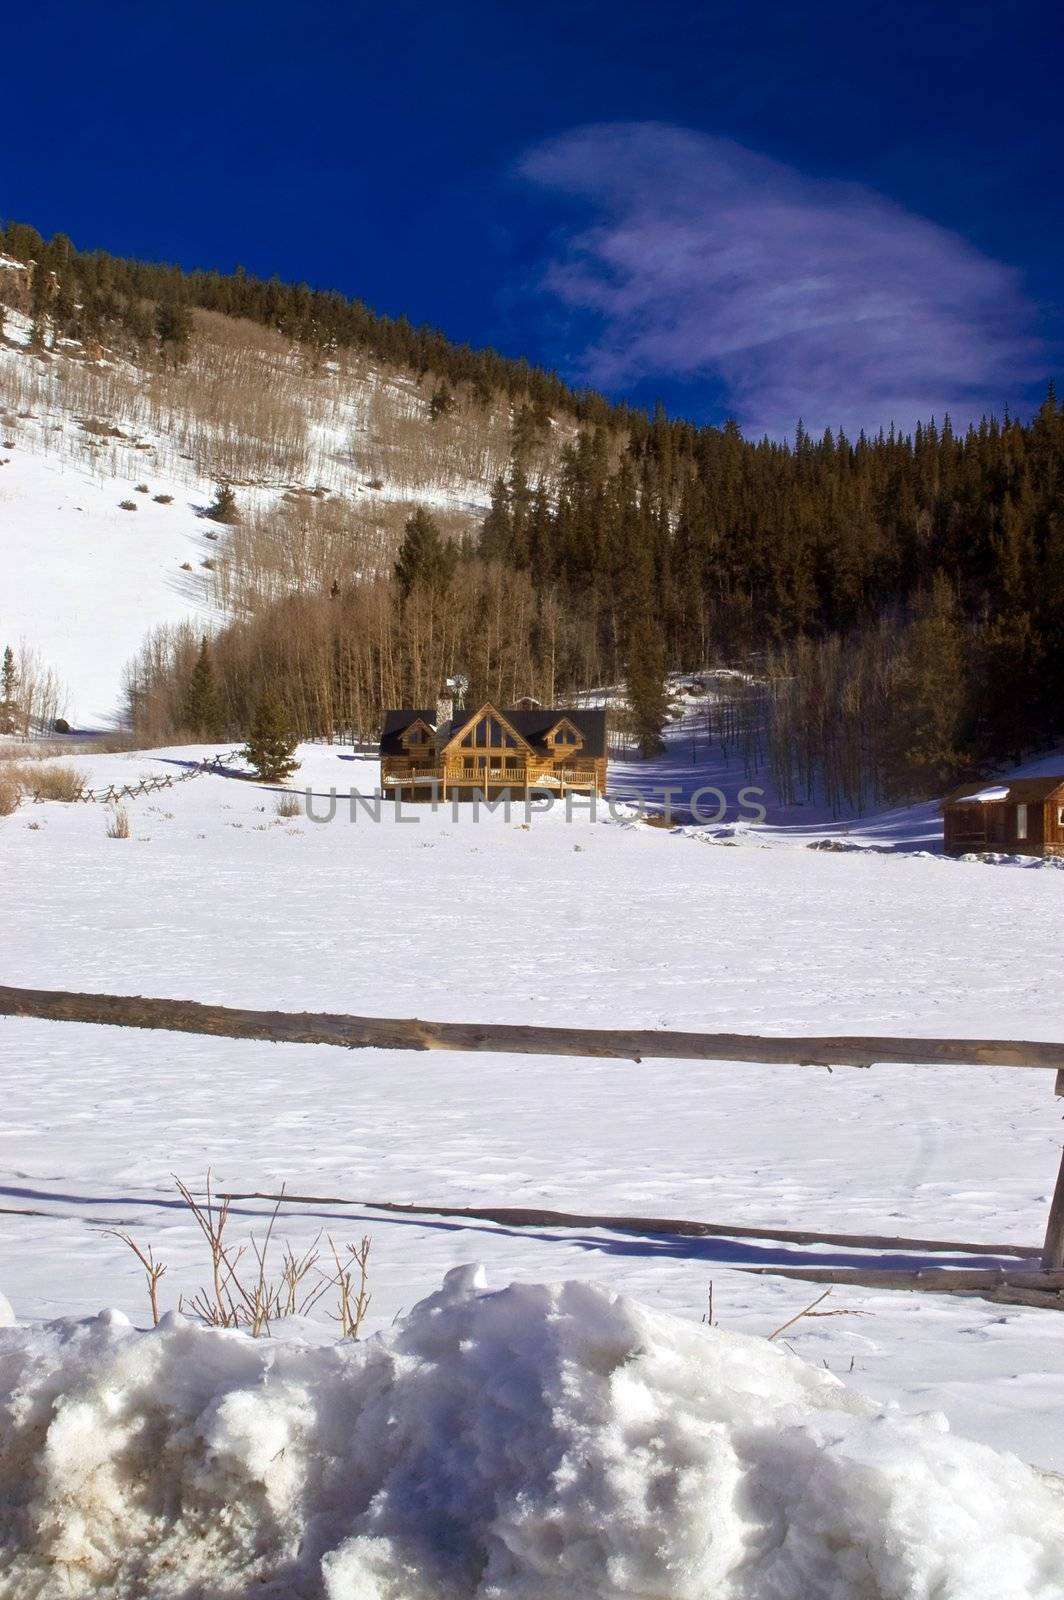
898 602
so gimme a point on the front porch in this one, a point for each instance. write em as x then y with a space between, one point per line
517 776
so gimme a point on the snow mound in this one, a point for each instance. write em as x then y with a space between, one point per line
535 1443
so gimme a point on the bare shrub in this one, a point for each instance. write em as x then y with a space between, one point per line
288 805
118 823
50 781
10 792
354 1298
153 1270
127 505
163 499
141 488
245 1290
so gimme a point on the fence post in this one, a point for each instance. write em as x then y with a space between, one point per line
1053 1249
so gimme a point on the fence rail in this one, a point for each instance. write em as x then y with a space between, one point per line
627 1044
130 791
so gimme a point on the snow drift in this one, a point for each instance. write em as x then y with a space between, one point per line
536 1443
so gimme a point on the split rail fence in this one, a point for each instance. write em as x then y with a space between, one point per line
1033 1286
130 791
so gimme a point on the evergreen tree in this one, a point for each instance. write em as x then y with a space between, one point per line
495 530
425 558
9 686
645 680
442 402
203 716
634 593
224 508
520 514
926 742
524 433
271 743
173 329
40 300
64 310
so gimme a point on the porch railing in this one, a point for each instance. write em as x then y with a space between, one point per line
497 777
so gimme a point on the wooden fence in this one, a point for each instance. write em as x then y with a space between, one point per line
130 791
411 1033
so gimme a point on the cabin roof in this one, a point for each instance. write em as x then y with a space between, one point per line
533 726
1012 791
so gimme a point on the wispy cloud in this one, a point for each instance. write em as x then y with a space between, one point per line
802 297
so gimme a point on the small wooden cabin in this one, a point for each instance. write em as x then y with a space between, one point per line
458 754
1021 816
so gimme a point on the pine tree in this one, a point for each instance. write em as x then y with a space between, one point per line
495 530
925 745
442 402
64 310
203 705
271 743
425 557
8 692
40 300
173 328
645 678
224 507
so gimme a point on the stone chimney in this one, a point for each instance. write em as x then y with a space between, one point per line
444 709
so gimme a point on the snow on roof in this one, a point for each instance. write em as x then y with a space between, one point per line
1029 790
541 1440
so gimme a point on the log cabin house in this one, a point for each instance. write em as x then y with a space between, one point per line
1021 816
523 748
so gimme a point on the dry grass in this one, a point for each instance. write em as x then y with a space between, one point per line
246 1290
289 805
35 751
45 780
54 782
118 823
354 1291
10 793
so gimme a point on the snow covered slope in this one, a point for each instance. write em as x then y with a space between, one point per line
82 581
521 1445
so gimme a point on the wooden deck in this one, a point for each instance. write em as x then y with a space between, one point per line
542 775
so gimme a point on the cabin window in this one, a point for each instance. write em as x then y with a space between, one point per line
489 734
564 736
467 763
1021 822
969 822
1060 816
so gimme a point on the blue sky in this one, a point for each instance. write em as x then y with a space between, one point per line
848 213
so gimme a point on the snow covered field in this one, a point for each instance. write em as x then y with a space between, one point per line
216 898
